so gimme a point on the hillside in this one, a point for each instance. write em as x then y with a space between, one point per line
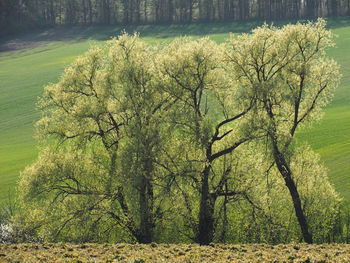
30 61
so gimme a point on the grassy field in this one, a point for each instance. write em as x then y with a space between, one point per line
173 253
28 62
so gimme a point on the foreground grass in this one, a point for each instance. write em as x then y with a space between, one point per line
174 253
28 62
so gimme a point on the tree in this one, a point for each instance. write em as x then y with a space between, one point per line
104 119
319 199
266 215
290 78
140 141
208 123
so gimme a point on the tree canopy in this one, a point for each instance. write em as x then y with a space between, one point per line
288 75
140 142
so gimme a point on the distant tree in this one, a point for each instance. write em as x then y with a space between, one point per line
184 10
206 10
243 9
288 75
228 10
332 6
10 13
126 11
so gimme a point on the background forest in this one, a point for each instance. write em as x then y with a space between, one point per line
24 14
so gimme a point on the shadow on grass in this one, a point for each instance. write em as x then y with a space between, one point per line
164 31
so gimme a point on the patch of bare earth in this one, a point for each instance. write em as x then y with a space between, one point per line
17 44
62 252
43 37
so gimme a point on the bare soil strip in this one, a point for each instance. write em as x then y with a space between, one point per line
63 252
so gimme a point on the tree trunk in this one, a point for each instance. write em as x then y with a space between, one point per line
125 12
137 11
84 12
311 8
297 8
146 225
170 15
225 218
206 212
243 9
201 10
287 176
60 12
107 12
146 198
145 19
90 11
52 14
190 15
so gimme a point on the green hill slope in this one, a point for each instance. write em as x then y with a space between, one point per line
30 61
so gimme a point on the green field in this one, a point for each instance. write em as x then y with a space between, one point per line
28 62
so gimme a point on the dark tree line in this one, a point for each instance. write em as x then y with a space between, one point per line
21 14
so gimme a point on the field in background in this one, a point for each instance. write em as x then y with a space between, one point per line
28 62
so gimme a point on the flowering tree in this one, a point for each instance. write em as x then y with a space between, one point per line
103 122
134 132
287 73
208 123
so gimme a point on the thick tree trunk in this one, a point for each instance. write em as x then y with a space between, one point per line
146 225
206 212
287 176
225 218
146 200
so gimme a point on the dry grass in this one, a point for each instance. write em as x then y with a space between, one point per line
173 253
